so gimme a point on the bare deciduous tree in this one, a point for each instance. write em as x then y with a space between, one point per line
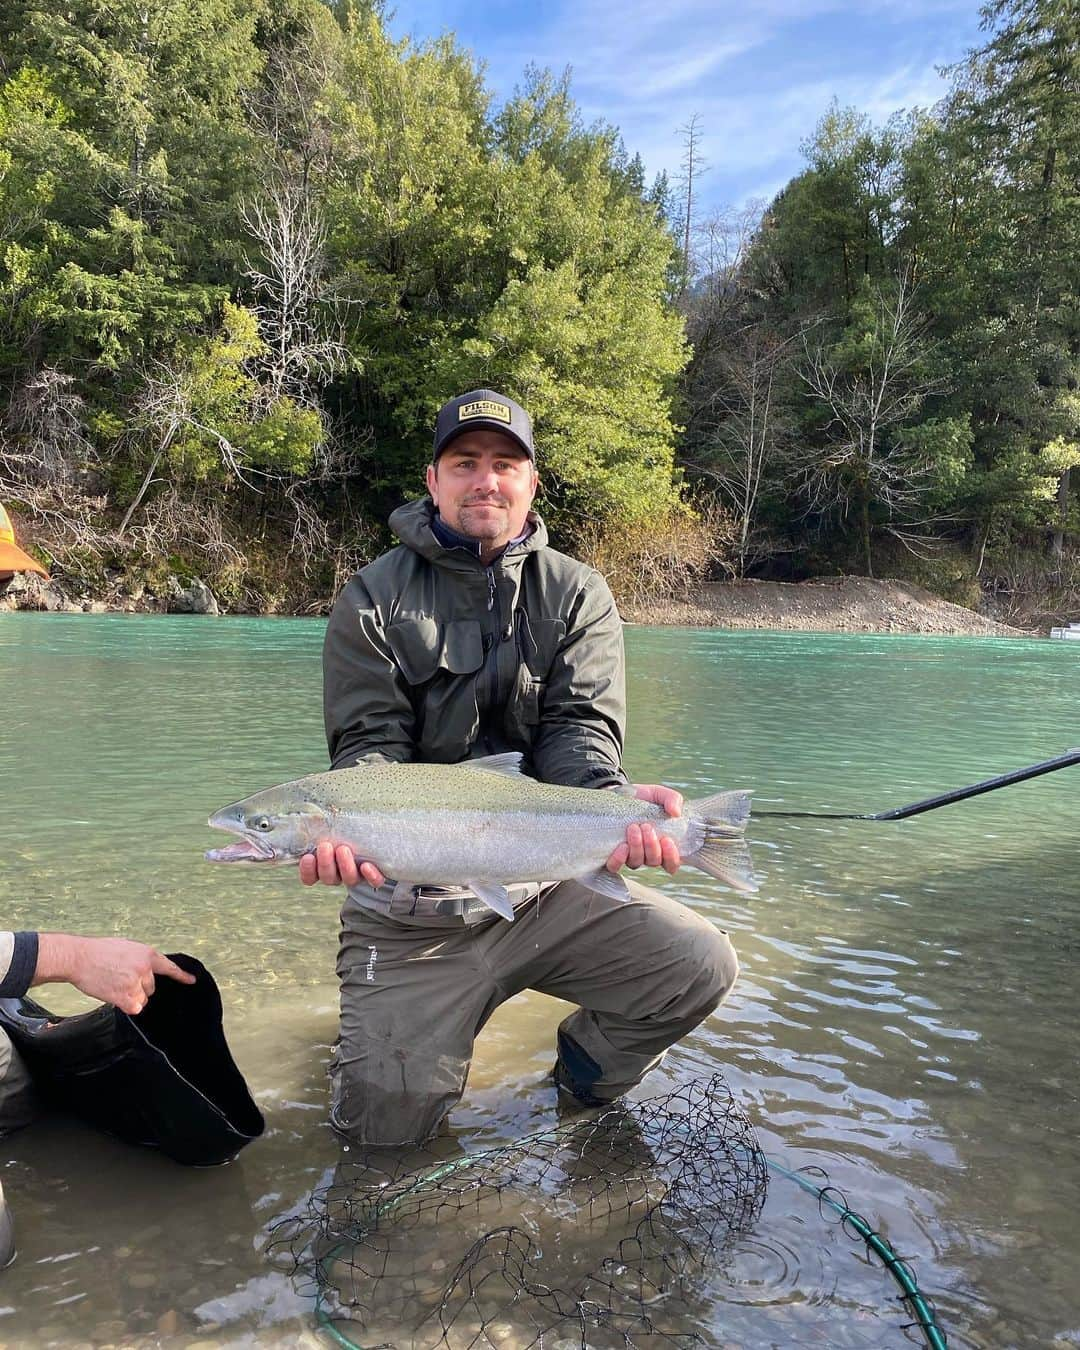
750 435
287 107
693 166
721 244
44 428
863 461
715 313
48 465
164 408
298 309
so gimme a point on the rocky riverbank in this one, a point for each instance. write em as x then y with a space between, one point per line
25 590
826 605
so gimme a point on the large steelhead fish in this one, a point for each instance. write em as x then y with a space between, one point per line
481 824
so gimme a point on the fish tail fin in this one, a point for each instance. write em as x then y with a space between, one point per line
730 809
723 853
727 860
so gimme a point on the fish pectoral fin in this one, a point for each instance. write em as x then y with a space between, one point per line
496 897
508 763
607 883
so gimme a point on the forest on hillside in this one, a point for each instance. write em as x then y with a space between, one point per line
248 247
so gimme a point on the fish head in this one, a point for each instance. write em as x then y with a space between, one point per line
278 825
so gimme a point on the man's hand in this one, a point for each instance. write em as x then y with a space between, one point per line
337 865
644 847
111 969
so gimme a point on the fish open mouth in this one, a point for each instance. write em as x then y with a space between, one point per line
242 850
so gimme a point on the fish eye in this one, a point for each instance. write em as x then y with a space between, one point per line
260 823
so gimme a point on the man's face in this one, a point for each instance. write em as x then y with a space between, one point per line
483 484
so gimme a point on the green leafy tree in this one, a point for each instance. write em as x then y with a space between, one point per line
250 246
511 251
141 109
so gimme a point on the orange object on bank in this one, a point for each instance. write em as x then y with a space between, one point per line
12 557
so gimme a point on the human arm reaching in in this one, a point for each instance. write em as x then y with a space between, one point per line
114 970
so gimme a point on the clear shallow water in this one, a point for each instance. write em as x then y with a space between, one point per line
906 1016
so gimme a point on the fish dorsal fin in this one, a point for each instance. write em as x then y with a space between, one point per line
509 763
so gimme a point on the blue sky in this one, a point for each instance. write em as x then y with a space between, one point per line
758 74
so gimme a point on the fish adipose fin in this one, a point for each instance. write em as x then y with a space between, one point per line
723 853
508 763
496 897
607 883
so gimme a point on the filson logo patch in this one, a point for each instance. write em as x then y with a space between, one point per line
484 407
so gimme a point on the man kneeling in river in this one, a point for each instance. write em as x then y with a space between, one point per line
473 637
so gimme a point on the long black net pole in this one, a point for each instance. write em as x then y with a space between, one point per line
944 798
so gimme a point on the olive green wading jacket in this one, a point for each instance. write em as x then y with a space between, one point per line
432 656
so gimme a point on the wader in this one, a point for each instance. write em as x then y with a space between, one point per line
18 1106
417 987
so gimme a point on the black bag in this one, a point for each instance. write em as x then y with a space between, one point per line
163 1078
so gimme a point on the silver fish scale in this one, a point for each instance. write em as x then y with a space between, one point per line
441 786
452 846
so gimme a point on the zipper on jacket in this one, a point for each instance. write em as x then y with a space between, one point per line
493 604
491 657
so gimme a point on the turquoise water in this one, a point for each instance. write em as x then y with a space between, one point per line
906 1016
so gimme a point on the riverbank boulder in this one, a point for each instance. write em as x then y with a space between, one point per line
27 590
194 598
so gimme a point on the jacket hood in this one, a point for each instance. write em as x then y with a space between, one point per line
412 525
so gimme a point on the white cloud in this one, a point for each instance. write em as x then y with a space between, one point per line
668 76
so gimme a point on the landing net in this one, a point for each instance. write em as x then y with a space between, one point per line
599 1233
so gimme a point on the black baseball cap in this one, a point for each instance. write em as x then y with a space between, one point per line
483 408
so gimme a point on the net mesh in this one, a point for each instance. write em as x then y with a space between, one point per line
600 1232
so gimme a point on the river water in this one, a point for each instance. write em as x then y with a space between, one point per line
906 1018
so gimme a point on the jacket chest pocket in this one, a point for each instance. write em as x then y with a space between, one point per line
537 646
441 663
423 646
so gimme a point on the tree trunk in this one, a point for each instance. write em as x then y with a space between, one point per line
866 535
170 432
982 547
139 495
1057 544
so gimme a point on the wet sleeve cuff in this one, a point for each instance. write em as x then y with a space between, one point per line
22 965
600 776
